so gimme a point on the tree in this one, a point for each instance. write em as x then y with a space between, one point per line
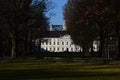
106 16
38 22
17 15
82 30
103 14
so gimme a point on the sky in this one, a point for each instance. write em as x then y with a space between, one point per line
57 19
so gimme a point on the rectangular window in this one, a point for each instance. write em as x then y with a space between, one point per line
50 43
67 43
62 43
62 49
58 49
54 43
50 49
57 43
53 49
46 43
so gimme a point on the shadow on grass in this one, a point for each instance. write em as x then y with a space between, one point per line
43 74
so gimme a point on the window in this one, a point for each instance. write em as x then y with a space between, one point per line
57 49
62 43
46 43
62 49
57 43
50 43
50 49
67 43
67 49
54 43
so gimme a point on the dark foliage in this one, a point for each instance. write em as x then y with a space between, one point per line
21 22
88 19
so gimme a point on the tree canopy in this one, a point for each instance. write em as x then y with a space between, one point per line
82 30
87 19
21 21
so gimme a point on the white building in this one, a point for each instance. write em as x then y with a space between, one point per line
96 45
59 41
60 44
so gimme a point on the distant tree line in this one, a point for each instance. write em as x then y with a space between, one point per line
21 21
87 20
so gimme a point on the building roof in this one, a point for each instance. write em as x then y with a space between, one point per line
56 34
55 27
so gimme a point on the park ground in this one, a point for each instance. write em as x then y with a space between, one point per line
52 69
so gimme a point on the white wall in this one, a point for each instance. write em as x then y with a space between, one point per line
61 44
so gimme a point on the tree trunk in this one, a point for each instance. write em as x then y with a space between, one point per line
118 37
4 44
26 43
85 49
0 38
13 52
39 48
101 50
30 45
119 45
91 46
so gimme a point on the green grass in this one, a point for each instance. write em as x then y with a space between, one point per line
38 70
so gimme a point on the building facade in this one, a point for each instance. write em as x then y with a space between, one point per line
59 40
60 44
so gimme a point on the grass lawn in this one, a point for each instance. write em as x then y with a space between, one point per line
37 70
